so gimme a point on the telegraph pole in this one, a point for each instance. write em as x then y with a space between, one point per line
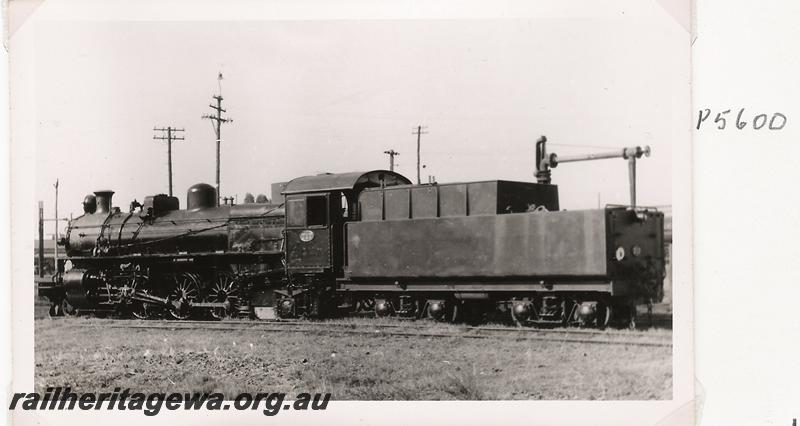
41 239
55 245
170 136
217 120
392 153
419 131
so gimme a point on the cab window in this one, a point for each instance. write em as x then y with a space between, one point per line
296 211
316 210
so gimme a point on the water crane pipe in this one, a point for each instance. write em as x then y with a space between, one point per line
545 162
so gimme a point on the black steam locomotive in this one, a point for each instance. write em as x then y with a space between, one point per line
367 243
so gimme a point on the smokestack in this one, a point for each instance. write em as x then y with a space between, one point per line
103 201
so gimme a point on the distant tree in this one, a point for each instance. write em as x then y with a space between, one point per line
248 198
262 199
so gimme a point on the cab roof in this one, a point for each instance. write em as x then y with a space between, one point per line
353 181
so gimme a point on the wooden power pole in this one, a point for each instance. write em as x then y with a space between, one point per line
392 153
55 236
169 136
218 120
419 131
41 239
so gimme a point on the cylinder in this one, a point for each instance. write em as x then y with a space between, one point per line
79 284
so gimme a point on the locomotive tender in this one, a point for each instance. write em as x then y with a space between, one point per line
365 243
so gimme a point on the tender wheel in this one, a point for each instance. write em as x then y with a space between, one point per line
518 317
521 313
594 314
224 289
632 314
365 305
383 308
185 289
443 310
454 312
569 313
604 314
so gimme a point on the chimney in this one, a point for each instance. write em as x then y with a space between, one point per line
103 201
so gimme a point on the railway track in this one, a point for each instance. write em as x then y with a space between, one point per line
604 337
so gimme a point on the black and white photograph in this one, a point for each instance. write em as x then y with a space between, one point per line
278 209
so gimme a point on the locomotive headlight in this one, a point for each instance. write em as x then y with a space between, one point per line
620 254
306 235
636 251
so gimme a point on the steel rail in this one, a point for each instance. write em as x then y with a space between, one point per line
373 330
446 327
210 324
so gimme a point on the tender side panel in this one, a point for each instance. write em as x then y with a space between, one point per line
455 200
513 245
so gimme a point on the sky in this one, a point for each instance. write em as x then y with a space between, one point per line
313 96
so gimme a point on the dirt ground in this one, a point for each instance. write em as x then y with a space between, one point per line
355 367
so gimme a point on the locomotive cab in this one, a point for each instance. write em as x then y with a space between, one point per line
317 207
310 218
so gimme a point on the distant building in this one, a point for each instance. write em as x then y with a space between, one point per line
667 252
277 188
49 256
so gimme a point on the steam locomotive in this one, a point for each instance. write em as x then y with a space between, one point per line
365 243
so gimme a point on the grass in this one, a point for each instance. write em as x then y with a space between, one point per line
353 367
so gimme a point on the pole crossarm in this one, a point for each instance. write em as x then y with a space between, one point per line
169 134
217 121
391 153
